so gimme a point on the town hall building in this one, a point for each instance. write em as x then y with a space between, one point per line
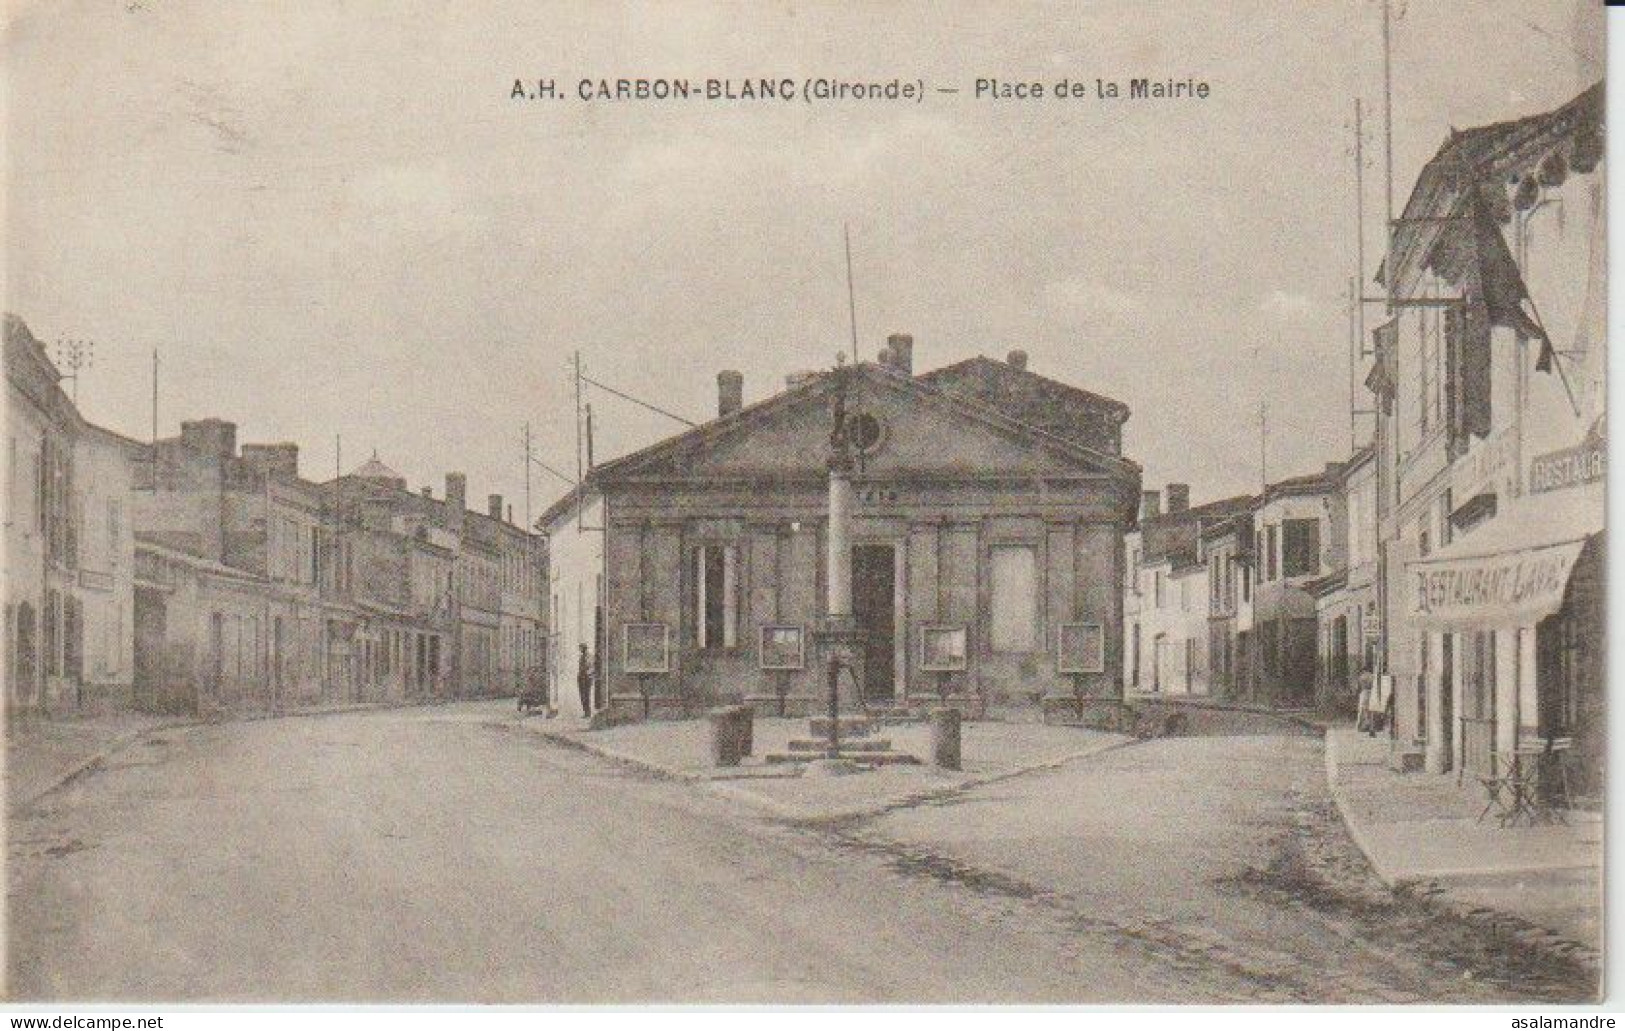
990 505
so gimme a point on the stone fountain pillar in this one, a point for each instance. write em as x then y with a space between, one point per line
837 639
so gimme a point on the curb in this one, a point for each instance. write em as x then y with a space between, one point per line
93 762
117 745
1431 893
733 788
1355 831
619 758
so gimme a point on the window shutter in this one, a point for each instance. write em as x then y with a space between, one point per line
1467 343
730 596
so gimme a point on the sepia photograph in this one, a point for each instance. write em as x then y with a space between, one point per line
802 504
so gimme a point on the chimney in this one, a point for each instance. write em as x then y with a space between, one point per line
427 491
1179 497
510 513
493 506
273 459
901 347
456 501
1017 359
1150 504
730 392
216 438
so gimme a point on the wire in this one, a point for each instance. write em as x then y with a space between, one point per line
571 480
628 397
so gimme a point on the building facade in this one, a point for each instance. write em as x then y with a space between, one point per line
1348 630
1171 595
1298 527
987 560
261 590
1491 453
70 561
1227 546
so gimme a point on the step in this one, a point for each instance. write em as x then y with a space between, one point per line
862 744
851 726
865 758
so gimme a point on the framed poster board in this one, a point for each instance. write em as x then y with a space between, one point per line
1080 648
783 646
943 649
647 648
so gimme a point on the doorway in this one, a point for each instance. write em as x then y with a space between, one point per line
874 606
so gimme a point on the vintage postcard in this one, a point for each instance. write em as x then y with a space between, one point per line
550 502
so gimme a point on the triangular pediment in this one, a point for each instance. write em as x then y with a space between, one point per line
922 432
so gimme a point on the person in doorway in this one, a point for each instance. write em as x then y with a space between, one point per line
584 680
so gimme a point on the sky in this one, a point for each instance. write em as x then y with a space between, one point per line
336 228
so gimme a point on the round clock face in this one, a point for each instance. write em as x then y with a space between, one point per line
866 432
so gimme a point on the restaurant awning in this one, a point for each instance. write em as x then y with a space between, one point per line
1512 571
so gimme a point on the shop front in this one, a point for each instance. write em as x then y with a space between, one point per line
1513 621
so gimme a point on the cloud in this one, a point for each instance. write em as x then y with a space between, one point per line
1088 296
1285 306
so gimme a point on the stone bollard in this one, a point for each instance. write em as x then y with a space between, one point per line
945 738
725 736
746 719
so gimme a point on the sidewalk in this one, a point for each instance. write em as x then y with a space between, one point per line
992 751
43 751
1422 831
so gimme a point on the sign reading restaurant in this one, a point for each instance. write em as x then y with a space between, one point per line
1510 587
1571 467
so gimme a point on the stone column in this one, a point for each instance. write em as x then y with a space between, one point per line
1528 685
1506 692
839 586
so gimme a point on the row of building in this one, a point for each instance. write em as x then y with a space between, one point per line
1267 599
192 575
1453 565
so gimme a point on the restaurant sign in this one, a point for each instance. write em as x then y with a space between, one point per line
1515 587
1570 467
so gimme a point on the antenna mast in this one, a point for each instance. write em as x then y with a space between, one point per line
851 298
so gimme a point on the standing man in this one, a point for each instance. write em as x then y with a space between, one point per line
584 680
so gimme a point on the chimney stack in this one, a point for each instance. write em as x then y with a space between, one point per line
1017 359
1179 498
427 491
1150 504
456 500
273 459
493 506
216 438
900 346
730 392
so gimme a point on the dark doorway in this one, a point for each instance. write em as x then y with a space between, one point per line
874 604
151 631
26 689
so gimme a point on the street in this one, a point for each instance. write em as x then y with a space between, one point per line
445 854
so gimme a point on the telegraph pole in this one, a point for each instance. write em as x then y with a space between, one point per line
589 436
1263 445
77 355
1389 273
576 366
527 478
155 420
851 297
